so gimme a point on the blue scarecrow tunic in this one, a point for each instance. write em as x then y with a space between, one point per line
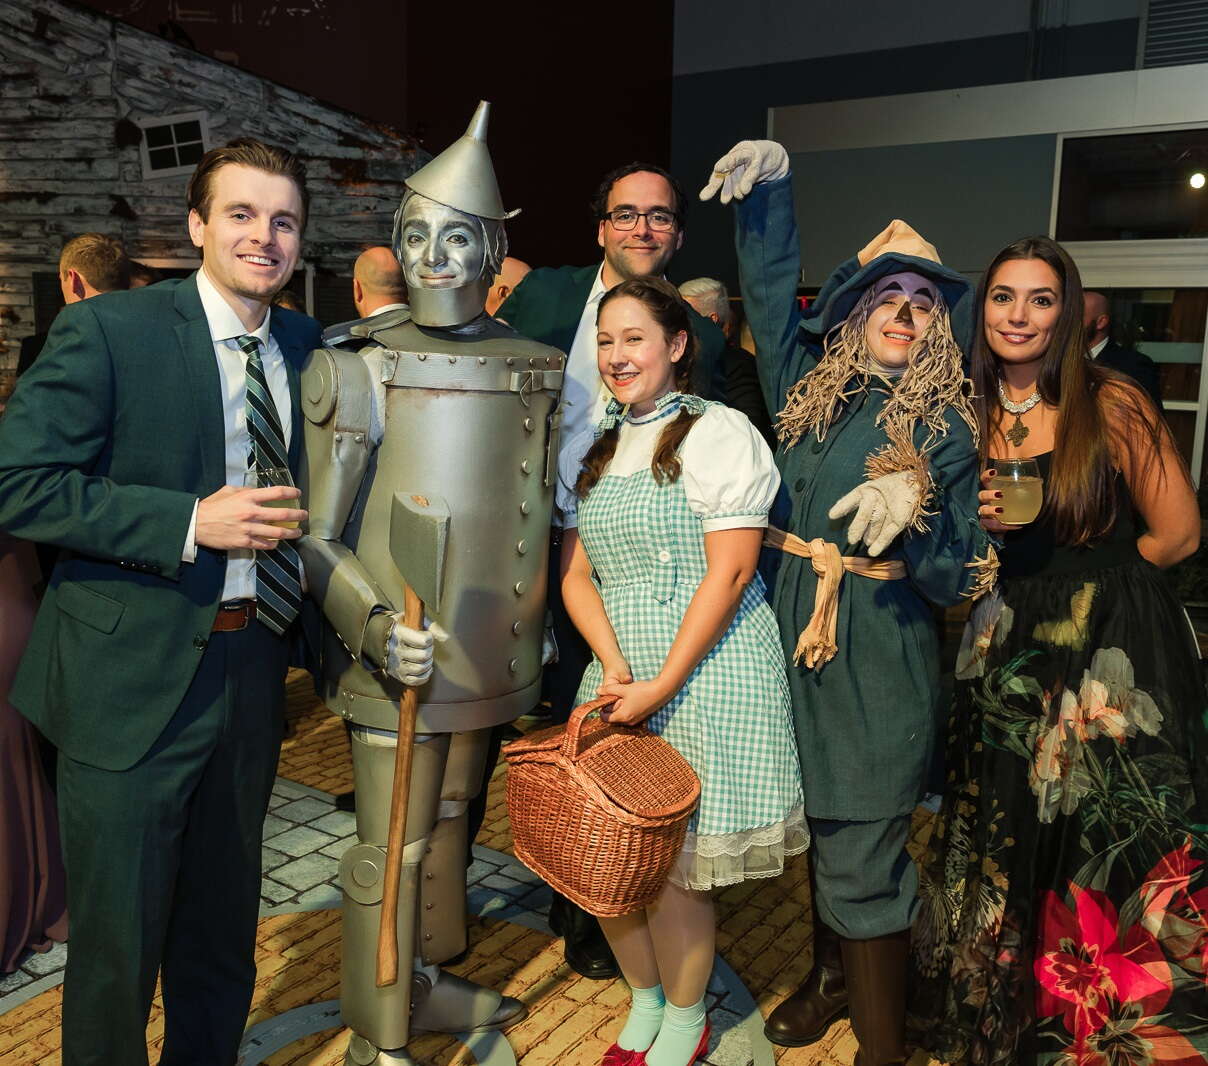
731 720
866 721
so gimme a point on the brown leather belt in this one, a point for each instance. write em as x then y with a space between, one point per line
234 615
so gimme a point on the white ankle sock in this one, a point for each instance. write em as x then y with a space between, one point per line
645 1017
679 1035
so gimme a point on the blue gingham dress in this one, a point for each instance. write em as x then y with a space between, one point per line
732 719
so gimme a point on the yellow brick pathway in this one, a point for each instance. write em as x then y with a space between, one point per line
764 934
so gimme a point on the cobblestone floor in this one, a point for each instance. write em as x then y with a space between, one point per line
763 936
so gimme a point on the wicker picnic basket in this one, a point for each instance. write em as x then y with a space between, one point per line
599 811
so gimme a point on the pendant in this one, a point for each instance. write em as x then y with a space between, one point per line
1017 432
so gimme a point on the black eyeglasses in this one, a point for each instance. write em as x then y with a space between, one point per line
659 219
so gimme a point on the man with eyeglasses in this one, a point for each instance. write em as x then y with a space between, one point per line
638 209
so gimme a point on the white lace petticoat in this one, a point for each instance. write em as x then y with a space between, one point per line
727 858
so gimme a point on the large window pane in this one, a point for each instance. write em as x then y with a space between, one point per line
1134 186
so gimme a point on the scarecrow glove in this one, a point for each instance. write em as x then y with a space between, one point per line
409 653
744 166
884 507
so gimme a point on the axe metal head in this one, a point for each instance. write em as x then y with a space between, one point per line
419 534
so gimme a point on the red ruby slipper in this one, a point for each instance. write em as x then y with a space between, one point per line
639 1057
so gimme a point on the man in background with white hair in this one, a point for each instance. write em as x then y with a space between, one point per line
708 297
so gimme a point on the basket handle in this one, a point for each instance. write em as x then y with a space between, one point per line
572 740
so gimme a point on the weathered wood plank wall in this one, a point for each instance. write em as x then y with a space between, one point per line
73 82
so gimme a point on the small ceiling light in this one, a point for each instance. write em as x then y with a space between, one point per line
1197 180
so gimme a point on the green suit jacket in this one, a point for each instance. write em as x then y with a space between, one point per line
548 304
107 442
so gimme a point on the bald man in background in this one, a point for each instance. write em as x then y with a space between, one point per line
511 274
1106 352
377 282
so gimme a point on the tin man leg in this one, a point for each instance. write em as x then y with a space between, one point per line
381 1018
454 1004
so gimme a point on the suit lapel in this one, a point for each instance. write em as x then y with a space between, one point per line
569 312
294 355
201 369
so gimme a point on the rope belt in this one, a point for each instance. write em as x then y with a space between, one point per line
816 646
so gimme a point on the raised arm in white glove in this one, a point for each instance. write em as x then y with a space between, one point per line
884 507
743 167
409 653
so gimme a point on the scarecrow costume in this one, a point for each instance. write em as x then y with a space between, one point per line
864 655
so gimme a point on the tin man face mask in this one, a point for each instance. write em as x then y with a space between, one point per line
441 248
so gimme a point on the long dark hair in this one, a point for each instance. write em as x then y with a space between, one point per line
1100 413
668 309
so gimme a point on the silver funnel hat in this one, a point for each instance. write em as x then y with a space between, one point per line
462 176
457 187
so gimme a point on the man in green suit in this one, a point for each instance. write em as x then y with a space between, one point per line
639 214
158 657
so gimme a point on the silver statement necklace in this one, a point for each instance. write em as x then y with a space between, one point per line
1018 431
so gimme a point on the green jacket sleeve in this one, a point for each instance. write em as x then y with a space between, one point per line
955 558
55 438
769 264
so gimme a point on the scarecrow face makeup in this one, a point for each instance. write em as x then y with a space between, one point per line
902 307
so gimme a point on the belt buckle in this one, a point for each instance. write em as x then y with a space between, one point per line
244 612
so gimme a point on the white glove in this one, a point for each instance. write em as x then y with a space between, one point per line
409 653
884 507
744 166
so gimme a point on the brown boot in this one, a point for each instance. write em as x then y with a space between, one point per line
876 987
806 1015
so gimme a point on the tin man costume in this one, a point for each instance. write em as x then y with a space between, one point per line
430 448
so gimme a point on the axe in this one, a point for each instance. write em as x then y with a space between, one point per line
419 530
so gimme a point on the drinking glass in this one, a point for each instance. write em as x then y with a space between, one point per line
263 477
1022 489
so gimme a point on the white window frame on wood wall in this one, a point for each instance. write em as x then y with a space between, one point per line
155 121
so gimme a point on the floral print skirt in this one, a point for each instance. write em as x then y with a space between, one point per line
1064 889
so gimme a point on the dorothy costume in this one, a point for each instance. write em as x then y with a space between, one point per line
646 545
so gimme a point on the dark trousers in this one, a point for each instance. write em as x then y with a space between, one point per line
163 868
866 882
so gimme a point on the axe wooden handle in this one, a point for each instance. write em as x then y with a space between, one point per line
387 949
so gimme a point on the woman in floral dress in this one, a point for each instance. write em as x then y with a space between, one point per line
1065 885
666 506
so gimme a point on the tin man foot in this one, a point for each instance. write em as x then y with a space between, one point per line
362 1053
455 1005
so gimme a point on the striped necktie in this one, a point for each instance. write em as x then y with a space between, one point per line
278 581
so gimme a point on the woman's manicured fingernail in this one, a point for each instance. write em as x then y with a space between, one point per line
991 472
998 495
998 510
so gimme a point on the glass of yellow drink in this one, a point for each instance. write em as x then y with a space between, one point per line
1022 489
263 477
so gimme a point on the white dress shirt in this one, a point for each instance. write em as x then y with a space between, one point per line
384 308
1094 352
582 389
225 330
582 386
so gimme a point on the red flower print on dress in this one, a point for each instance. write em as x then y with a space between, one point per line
1084 972
1130 1039
1175 917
